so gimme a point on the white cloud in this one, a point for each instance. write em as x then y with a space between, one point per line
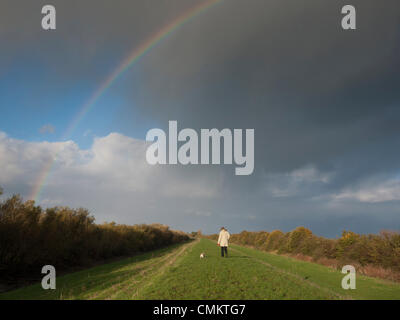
112 178
296 182
47 128
388 190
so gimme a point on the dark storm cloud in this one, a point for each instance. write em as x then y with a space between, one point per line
91 38
313 92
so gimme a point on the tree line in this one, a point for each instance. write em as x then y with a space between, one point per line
31 237
372 254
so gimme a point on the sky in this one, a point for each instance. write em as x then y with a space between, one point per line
324 104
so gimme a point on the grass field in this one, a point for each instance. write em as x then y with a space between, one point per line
177 272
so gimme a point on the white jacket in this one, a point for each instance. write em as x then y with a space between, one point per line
223 238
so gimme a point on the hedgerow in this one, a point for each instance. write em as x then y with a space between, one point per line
31 237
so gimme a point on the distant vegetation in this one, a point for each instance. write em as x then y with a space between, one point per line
31 237
376 255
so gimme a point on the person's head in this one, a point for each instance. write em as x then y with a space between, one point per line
222 228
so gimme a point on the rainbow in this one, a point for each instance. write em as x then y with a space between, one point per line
126 64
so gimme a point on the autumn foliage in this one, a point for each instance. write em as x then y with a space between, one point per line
31 237
372 254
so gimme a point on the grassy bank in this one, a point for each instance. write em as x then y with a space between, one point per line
177 272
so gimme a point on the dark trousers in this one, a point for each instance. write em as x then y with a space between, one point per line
224 250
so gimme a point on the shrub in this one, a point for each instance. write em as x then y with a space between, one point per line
369 252
31 237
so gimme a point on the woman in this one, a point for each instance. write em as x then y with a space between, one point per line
223 241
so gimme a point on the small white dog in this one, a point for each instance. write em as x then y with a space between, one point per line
202 255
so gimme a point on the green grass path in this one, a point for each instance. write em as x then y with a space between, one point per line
118 280
177 272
